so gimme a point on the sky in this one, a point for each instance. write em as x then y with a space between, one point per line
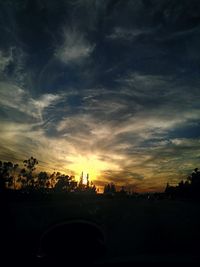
108 87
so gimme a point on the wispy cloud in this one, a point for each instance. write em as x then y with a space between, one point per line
12 96
75 47
5 60
111 150
128 34
117 135
107 86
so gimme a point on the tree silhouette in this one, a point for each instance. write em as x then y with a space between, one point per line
3 175
27 182
7 174
52 180
42 179
15 166
106 188
63 183
93 188
188 188
22 178
30 166
122 191
110 189
195 177
195 182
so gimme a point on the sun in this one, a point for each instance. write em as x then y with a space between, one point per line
90 164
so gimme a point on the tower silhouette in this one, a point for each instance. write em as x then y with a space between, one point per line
84 180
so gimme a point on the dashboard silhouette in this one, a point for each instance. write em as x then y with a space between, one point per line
100 231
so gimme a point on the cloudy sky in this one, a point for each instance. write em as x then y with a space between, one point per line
111 87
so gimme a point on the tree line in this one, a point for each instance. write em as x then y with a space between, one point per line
27 180
189 188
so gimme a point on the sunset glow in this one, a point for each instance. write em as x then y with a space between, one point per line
90 164
99 132
93 87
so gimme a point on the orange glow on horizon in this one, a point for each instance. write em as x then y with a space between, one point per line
90 164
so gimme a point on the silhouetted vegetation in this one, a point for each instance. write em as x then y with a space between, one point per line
7 175
189 188
155 222
109 189
27 180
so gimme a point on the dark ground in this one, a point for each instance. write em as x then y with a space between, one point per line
136 230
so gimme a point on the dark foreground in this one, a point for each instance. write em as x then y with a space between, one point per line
137 231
